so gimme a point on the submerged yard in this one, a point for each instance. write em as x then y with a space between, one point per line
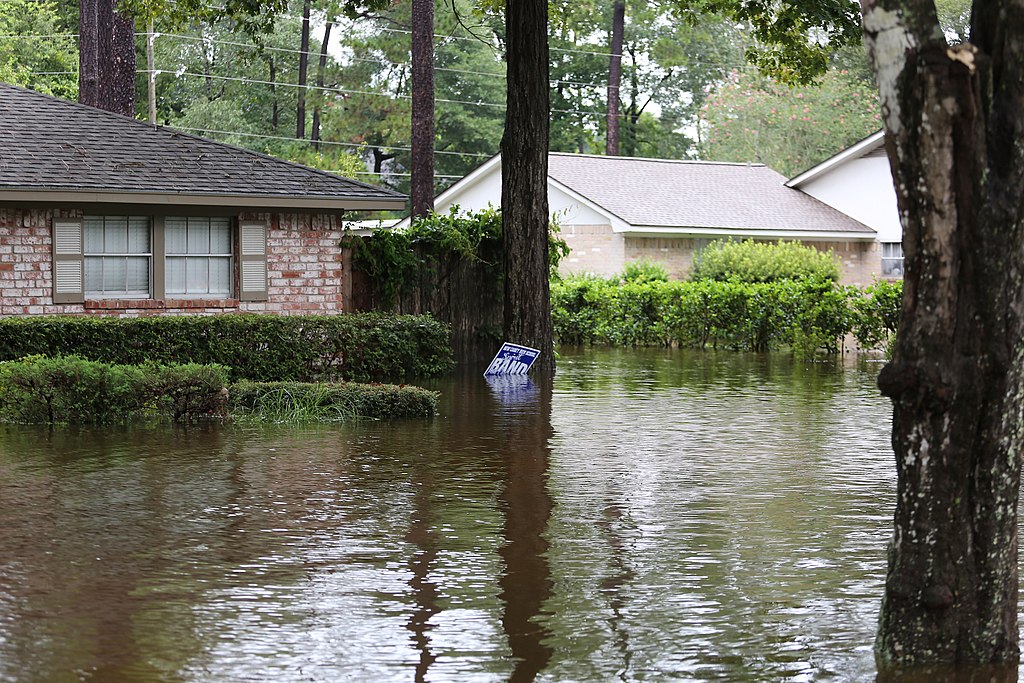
652 515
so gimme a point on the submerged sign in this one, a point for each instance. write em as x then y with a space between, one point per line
512 359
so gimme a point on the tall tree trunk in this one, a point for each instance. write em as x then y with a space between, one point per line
106 56
422 183
275 108
615 78
524 175
122 66
955 137
314 134
300 108
88 49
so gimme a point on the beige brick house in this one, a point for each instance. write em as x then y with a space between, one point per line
103 214
615 210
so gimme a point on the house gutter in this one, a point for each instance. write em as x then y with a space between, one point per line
250 202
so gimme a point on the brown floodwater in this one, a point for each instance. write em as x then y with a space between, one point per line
648 516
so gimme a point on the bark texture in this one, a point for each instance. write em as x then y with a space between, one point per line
106 57
953 118
300 107
524 170
615 78
422 181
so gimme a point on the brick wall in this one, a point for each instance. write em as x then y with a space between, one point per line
593 249
305 269
675 253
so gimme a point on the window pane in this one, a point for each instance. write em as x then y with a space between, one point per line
220 276
138 275
138 235
175 276
196 275
198 236
220 236
115 270
93 228
115 234
174 235
93 273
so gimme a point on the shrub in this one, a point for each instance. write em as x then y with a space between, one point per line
305 402
644 271
804 315
753 262
358 346
73 390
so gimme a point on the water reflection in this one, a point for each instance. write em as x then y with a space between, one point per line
648 516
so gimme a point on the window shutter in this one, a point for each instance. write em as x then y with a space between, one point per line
252 268
68 262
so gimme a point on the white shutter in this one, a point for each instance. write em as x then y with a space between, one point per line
68 261
252 262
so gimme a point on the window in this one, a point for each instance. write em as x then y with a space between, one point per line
198 253
157 257
117 256
892 259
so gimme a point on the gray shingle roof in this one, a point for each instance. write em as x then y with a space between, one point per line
697 194
47 144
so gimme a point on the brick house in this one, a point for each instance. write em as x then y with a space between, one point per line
103 214
616 210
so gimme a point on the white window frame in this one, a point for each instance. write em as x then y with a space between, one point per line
104 256
892 259
209 256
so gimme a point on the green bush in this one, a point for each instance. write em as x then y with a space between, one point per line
306 402
754 262
644 271
356 347
73 390
803 315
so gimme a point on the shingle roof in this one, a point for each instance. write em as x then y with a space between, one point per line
47 144
697 194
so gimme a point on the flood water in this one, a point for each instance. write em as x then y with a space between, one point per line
649 516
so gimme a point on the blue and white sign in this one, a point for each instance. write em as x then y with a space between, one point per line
512 359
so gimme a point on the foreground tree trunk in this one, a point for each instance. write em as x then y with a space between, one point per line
524 171
422 182
615 78
953 120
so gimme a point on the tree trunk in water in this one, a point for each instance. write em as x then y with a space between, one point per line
422 182
524 171
956 147
314 134
615 78
300 108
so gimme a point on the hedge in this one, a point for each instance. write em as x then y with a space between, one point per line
300 401
804 315
73 390
753 262
357 347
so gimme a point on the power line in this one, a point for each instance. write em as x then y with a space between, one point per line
206 131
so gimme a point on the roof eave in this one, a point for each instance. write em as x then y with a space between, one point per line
248 201
762 233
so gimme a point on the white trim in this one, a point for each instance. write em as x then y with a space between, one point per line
865 146
617 223
767 233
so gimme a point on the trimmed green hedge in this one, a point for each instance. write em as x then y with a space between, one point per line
805 315
357 347
73 390
305 402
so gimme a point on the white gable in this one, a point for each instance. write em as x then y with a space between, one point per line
862 189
